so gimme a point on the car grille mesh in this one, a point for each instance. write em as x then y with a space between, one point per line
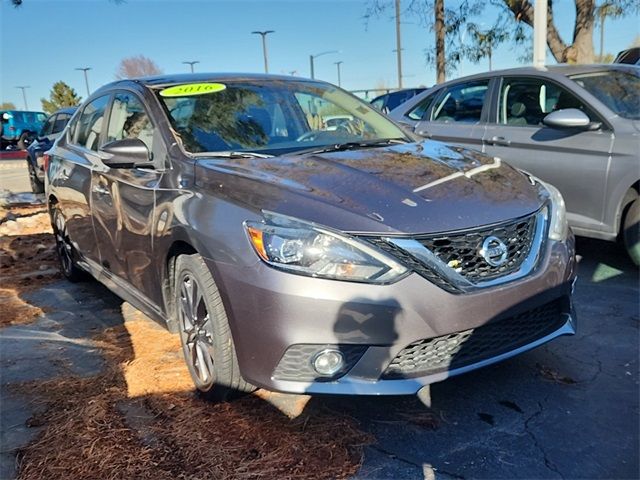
296 362
462 250
459 349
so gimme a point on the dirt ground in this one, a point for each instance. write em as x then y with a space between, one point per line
139 417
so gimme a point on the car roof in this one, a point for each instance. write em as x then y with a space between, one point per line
181 78
69 110
560 69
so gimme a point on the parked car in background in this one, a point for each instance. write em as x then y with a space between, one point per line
20 128
387 102
630 56
576 127
53 126
302 259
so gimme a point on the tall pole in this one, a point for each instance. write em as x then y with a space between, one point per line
24 95
540 33
191 63
264 34
338 65
86 77
398 44
312 57
602 17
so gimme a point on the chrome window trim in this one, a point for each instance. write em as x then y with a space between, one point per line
429 259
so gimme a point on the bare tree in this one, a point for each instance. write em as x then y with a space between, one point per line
137 66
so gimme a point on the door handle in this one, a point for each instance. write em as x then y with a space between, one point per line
101 190
499 141
424 133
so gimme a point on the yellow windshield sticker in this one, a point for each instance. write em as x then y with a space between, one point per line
190 89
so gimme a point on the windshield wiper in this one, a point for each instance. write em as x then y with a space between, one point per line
232 155
338 147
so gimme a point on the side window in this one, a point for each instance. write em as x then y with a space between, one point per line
47 129
129 119
461 103
420 110
89 124
526 101
61 120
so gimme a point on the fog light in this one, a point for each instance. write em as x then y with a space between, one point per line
328 362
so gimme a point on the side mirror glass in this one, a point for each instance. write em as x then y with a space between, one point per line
126 153
570 118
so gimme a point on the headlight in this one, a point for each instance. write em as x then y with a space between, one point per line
558 227
308 249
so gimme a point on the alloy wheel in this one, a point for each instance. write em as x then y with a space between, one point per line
63 244
195 322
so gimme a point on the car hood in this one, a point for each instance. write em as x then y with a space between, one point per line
411 188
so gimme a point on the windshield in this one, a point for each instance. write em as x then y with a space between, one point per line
617 89
272 117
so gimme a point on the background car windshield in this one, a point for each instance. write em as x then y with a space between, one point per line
618 90
275 118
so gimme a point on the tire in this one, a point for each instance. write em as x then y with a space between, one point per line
24 140
36 185
204 332
631 231
64 248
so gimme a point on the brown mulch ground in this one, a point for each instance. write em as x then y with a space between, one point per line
140 419
27 259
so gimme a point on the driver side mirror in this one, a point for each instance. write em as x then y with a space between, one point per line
570 118
126 153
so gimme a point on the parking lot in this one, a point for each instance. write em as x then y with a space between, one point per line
90 388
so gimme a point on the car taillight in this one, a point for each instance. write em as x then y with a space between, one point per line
45 161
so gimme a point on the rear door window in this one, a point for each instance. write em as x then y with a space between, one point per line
89 127
48 127
461 103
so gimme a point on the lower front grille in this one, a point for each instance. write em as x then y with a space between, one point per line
464 348
296 364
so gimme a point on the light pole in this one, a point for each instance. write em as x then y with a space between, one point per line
86 78
191 64
24 95
338 66
398 44
312 57
540 33
264 34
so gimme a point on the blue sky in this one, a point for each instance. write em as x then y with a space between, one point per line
45 40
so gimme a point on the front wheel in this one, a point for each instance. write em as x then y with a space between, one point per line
631 231
204 331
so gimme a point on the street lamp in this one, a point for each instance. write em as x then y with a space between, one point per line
312 57
24 94
191 64
264 34
86 79
337 64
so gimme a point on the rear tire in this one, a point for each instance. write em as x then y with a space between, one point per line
64 248
36 185
204 332
631 231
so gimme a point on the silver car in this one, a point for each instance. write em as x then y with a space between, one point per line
577 127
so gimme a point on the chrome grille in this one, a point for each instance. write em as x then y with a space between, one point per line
461 251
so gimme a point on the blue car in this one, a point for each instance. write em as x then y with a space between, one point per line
19 128
53 126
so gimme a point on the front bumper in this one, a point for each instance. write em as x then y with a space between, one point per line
270 311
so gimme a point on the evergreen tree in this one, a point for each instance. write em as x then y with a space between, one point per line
62 95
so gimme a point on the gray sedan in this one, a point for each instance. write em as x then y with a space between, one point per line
577 127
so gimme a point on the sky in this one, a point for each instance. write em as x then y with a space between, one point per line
43 41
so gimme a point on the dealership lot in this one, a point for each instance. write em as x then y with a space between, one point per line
566 410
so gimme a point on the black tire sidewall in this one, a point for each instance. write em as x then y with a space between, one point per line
223 349
631 231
